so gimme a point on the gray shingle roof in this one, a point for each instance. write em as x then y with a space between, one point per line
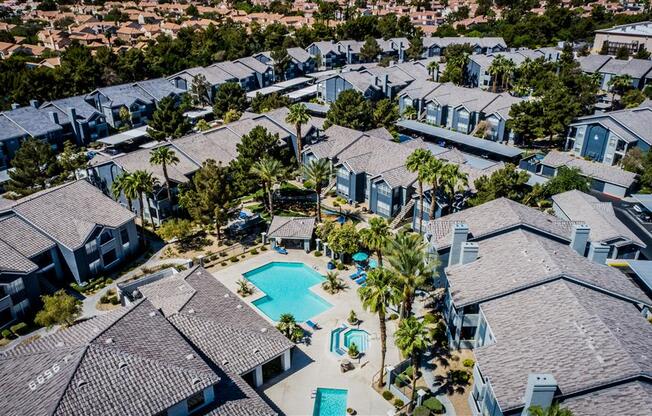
139 160
519 259
291 227
631 399
158 88
83 109
33 121
600 171
636 68
299 54
217 144
584 338
215 320
600 216
629 124
333 141
69 213
23 237
11 261
235 69
129 362
9 129
592 63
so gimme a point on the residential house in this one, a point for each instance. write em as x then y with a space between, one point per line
606 137
92 233
330 54
245 76
351 50
264 73
300 63
606 228
435 46
86 122
634 36
477 69
607 67
214 77
610 180
137 357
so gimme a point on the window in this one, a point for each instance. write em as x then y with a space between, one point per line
382 208
383 189
195 401
109 257
343 173
105 237
91 247
95 266
124 236
343 189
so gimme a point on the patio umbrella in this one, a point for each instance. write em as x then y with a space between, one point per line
360 256
373 264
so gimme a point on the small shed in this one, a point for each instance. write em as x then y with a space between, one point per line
292 232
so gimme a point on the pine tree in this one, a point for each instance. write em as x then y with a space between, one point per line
168 121
35 167
229 96
370 50
199 91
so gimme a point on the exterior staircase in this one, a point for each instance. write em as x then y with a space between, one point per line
402 214
328 187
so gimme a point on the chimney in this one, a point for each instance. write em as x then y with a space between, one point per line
72 115
54 117
33 103
460 234
349 57
400 52
580 237
540 391
469 252
599 253
386 85
15 106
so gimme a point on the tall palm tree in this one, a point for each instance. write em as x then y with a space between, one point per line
298 116
508 72
379 293
333 283
553 410
416 162
412 338
120 186
269 171
433 173
376 237
432 68
165 157
453 180
408 257
496 70
143 185
318 171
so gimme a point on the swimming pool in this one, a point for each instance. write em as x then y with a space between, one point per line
287 290
357 336
330 402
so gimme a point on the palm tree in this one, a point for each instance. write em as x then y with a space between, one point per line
298 116
165 157
433 172
553 410
376 237
408 258
412 338
453 180
496 70
333 283
409 113
119 186
269 171
287 325
619 83
416 162
508 71
143 185
318 171
432 68
380 293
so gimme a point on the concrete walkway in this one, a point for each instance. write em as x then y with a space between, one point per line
427 368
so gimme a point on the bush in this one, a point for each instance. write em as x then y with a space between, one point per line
234 259
429 319
19 329
421 411
398 403
401 380
223 264
340 266
434 405
468 363
109 281
409 372
318 253
6 334
254 251
393 317
115 300
388 395
263 248
309 184
104 299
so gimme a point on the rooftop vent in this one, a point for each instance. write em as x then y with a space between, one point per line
122 365
226 295
60 344
256 350
108 341
195 381
189 357
239 306
81 383
263 330
191 310
225 362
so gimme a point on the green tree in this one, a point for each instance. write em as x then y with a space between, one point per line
415 50
386 114
456 57
209 197
71 160
229 96
35 168
200 91
333 283
231 116
59 308
632 98
622 53
453 180
344 239
505 182
619 84
288 326
164 156
168 121
642 53
408 257
433 68
180 229
298 116
376 237
417 162
202 125
553 410
370 50
352 110
434 173
270 172
412 338
125 118
143 185
281 61
318 171
566 179
379 293
264 103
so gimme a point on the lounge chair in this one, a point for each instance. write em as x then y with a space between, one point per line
357 274
312 325
361 280
280 250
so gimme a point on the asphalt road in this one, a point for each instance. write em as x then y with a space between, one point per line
644 232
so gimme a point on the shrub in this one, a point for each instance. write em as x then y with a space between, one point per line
401 380
421 411
353 318
7 334
223 264
398 403
409 372
104 299
468 363
309 184
434 405
429 319
223 254
254 251
263 248
353 350
234 259
350 411
388 395
19 329
243 256
340 266
109 281
393 317
114 300
318 253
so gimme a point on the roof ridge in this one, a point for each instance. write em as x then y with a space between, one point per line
72 375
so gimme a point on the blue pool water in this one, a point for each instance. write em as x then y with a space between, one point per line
330 402
287 290
357 336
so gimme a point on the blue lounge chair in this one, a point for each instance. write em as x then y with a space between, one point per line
312 325
361 280
357 274
280 250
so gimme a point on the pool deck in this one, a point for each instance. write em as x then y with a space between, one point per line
314 365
